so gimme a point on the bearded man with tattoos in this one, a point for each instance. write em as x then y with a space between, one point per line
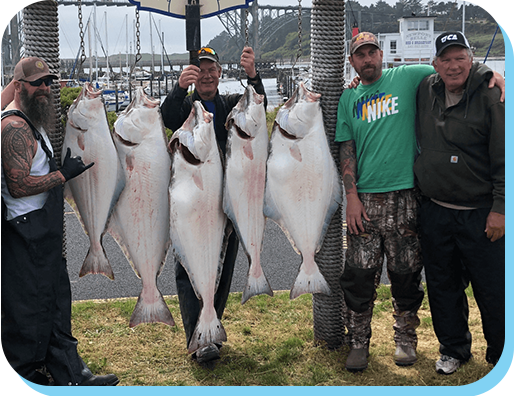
36 293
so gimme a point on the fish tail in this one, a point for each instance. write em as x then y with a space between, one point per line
309 282
256 285
96 263
153 312
209 330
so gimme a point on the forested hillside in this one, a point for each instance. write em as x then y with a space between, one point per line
380 18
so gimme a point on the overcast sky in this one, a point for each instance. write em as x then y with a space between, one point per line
173 28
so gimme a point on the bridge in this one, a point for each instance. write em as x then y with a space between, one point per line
255 25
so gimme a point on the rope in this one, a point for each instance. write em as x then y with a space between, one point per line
327 61
41 32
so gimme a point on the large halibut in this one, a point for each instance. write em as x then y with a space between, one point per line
303 189
244 183
197 221
140 218
94 193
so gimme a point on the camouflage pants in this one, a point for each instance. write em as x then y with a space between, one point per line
392 232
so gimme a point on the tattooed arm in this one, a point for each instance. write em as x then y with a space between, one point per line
355 210
18 149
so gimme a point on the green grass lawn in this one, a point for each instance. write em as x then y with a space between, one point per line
270 342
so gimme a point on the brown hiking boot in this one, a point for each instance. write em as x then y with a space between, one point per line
357 360
405 355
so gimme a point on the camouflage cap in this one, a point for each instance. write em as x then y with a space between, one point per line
362 39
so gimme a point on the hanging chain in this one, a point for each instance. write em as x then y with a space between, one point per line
81 33
246 27
138 53
138 45
299 38
299 51
246 42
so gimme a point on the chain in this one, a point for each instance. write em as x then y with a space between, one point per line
81 30
246 27
299 51
246 42
299 37
138 45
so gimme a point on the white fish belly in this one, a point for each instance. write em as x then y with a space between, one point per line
140 222
301 190
197 228
95 192
244 191
300 197
197 224
142 210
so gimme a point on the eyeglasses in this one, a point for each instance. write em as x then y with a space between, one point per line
48 81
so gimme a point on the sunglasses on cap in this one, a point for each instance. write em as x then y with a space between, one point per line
48 81
203 50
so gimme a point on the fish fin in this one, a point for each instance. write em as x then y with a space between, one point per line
336 201
154 312
120 186
256 286
271 211
96 263
67 193
116 232
309 283
207 330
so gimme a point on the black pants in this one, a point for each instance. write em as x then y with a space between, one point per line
456 251
36 297
188 301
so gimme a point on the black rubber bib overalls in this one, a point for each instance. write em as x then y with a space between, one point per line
36 294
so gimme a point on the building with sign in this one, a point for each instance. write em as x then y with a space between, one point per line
414 44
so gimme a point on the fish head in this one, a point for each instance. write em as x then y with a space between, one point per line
138 119
300 113
246 117
86 108
196 137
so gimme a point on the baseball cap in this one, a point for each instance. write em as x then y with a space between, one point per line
32 69
362 39
208 53
448 39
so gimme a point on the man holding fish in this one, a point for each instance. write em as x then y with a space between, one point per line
36 294
376 130
175 110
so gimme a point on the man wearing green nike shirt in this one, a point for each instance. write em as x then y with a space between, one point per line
376 128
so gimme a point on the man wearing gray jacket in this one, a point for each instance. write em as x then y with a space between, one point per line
460 171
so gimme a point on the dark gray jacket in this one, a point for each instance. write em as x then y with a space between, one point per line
461 148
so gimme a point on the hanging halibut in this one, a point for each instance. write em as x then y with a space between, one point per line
94 193
303 189
140 218
197 221
244 183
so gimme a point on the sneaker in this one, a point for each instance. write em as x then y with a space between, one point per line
357 359
405 355
447 365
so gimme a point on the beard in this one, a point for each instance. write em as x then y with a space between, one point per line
370 74
39 108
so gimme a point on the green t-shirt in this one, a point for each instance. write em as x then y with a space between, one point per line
380 118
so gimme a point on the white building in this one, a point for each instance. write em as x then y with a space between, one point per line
414 44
